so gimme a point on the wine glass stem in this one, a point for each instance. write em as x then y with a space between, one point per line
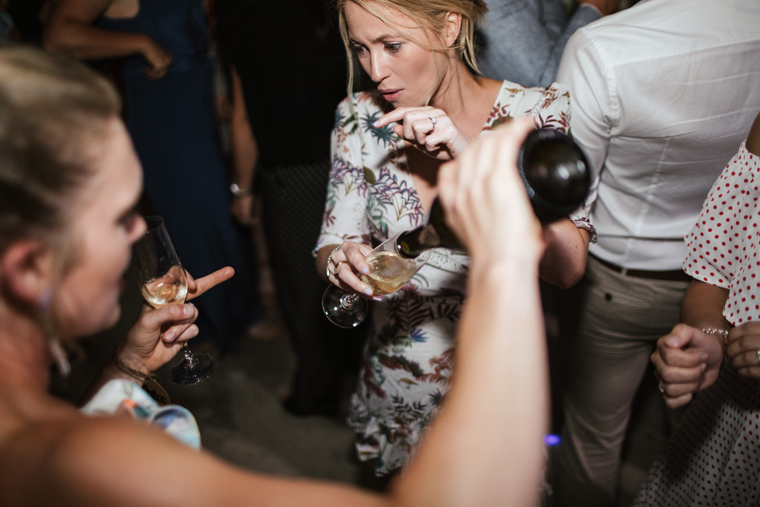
189 358
348 301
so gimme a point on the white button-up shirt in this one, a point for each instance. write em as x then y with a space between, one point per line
662 96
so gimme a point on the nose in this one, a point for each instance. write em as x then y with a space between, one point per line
378 70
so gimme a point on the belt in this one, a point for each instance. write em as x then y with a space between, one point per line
676 275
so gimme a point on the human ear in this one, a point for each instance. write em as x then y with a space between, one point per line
26 270
453 26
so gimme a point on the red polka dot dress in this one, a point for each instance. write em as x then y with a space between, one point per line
713 459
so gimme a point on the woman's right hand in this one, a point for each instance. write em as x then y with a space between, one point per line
158 59
428 129
346 265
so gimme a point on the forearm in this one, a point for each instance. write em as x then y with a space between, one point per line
83 41
245 151
501 378
564 261
702 306
112 371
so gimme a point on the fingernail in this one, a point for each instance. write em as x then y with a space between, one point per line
188 310
376 123
378 298
170 336
365 271
368 292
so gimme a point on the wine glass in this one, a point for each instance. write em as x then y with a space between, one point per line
163 282
388 272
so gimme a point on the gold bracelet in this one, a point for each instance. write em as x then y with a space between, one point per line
122 366
329 259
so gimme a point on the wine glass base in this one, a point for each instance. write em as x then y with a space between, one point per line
342 309
190 371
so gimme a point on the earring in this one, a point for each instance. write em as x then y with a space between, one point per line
54 344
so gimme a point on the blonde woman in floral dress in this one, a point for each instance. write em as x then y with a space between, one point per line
387 146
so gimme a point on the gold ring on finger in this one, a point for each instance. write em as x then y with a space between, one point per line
335 271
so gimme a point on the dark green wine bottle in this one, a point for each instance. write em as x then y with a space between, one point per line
557 178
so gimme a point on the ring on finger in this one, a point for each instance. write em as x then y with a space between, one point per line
433 121
758 357
335 271
659 386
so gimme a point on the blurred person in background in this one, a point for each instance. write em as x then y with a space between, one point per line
170 114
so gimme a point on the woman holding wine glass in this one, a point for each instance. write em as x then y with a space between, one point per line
387 147
69 182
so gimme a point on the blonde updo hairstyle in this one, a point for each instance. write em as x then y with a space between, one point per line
53 117
430 15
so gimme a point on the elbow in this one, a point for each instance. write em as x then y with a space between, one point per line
563 274
571 276
53 40
59 37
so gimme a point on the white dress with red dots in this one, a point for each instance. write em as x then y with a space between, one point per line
713 459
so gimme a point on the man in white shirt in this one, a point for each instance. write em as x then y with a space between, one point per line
662 96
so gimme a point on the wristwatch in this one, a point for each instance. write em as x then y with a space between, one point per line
239 192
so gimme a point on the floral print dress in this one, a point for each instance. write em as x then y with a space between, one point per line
407 363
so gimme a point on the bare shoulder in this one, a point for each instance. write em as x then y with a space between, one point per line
753 139
90 460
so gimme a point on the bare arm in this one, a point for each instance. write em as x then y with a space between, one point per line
477 452
702 306
245 153
564 261
70 31
458 466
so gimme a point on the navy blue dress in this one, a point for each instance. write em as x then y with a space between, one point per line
173 125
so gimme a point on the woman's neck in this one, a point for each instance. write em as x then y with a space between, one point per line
466 98
24 352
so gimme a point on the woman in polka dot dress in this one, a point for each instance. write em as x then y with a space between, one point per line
713 459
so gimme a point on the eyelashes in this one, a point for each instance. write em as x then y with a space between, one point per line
390 47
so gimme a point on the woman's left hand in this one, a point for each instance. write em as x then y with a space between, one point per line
428 129
158 334
743 349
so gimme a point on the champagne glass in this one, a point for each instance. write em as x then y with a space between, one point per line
388 272
163 282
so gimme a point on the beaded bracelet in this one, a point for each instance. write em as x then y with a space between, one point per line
329 260
723 333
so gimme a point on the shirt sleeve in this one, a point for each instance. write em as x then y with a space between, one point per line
345 217
553 108
716 243
553 111
595 108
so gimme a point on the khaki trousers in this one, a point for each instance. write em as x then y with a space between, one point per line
620 320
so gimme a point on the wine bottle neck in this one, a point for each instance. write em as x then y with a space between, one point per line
412 243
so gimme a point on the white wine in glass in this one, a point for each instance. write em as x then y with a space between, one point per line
166 290
389 270
163 282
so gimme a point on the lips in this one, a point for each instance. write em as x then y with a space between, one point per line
391 95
